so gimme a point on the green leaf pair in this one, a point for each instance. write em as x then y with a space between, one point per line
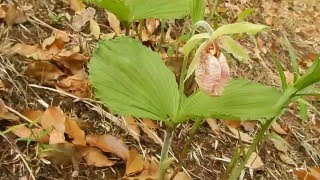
133 80
128 11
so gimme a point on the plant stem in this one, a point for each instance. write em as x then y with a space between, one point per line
127 29
194 131
162 34
235 173
164 153
183 74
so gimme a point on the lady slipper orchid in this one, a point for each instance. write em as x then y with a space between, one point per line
212 73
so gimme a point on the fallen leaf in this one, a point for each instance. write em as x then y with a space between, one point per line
109 143
284 158
94 28
77 5
249 125
107 36
2 12
14 15
243 136
95 157
53 117
279 145
79 20
255 161
78 85
132 124
56 137
149 123
213 124
135 162
61 154
312 174
48 41
33 115
74 131
151 134
44 71
25 50
152 25
150 171
5 114
276 127
233 123
114 23
25 132
181 176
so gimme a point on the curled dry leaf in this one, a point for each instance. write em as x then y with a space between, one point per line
132 124
255 161
114 23
5 114
25 50
286 159
150 171
81 19
53 117
249 125
149 123
2 86
74 131
94 28
135 162
95 157
109 143
151 134
61 154
152 25
78 85
233 123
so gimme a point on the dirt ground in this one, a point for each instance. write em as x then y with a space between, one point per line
211 150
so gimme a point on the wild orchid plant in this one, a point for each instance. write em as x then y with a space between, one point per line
131 79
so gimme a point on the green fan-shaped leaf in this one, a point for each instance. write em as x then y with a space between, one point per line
131 10
241 100
117 7
133 80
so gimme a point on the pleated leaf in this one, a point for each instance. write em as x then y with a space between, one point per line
133 80
197 8
241 100
131 10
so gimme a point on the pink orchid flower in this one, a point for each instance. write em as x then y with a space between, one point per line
213 72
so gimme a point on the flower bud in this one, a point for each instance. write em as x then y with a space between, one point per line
212 73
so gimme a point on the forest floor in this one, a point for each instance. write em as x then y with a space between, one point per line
44 50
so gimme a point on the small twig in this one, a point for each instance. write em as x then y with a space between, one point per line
14 146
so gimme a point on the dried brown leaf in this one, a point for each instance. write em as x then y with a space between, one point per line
79 20
249 125
286 159
213 124
151 134
95 157
181 176
243 136
132 124
114 23
53 117
276 127
25 50
78 85
255 161
5 114
33 115
94 28
135 162
152 25
312 174
56 137
109 143
149 123
2 86
25 132
44 71
233 123
48 41
77 5
2 12
74 131
14 15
